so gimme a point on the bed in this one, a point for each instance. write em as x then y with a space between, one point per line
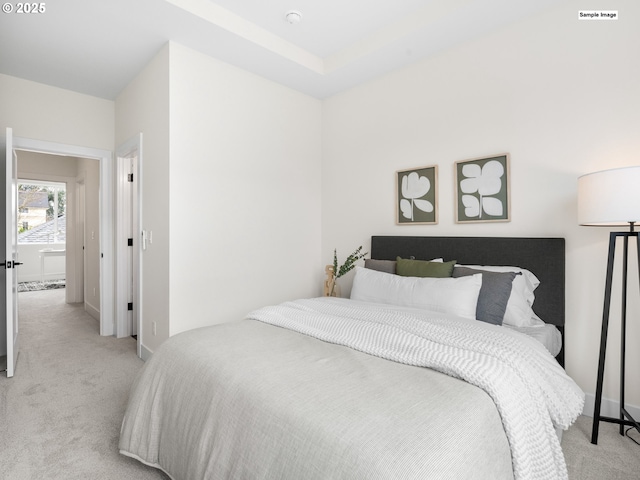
331 388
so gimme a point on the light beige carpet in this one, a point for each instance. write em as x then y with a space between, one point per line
614 458
60 415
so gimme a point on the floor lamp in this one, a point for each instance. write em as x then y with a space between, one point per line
612 198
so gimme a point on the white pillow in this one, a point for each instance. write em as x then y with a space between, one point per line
519 311
527 282
457 296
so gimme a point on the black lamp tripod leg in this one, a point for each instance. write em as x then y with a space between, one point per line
603 338
623 329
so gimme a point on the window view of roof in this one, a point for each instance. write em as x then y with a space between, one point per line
46 232
41 212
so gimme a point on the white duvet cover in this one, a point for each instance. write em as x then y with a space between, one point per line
530 389
318 399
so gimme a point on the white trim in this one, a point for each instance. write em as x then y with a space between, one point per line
91 310
608 407
123 208
145 353
10 252
106 215
79 227
44 178
44 183
141 247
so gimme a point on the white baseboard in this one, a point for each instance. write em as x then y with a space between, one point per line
145 353
91 310
608 407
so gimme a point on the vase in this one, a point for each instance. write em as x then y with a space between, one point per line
334 291
331 287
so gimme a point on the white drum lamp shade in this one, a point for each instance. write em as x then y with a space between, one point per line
610 197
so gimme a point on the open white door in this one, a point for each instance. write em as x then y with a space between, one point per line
9 263
129 240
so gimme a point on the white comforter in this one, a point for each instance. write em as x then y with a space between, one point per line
532 392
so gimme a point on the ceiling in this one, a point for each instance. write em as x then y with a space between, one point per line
97 47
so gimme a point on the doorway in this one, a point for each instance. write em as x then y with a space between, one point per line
74 263
63 249
103 236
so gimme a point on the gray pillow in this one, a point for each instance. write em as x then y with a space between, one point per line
494 293
387 266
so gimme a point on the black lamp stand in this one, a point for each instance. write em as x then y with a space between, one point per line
625 419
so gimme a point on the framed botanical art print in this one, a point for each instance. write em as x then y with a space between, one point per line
416 196
482 189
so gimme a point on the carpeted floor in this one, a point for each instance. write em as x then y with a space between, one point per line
60 415
614 458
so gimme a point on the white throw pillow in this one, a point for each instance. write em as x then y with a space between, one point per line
457 296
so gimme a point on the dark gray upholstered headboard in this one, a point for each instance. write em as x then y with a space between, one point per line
545 257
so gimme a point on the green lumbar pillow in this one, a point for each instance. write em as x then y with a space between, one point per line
424 268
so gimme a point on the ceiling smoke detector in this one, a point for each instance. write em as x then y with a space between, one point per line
293 16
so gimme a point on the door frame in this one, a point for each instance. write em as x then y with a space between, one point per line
105 157
80 293
129 212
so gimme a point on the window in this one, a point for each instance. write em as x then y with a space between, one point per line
41 212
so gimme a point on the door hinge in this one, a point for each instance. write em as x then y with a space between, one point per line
130 306
130 177
129 242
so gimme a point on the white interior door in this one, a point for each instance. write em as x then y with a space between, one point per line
10 261
129 239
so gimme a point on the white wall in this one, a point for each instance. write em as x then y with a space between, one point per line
41 166
560 95
32 270
42 112
247 152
